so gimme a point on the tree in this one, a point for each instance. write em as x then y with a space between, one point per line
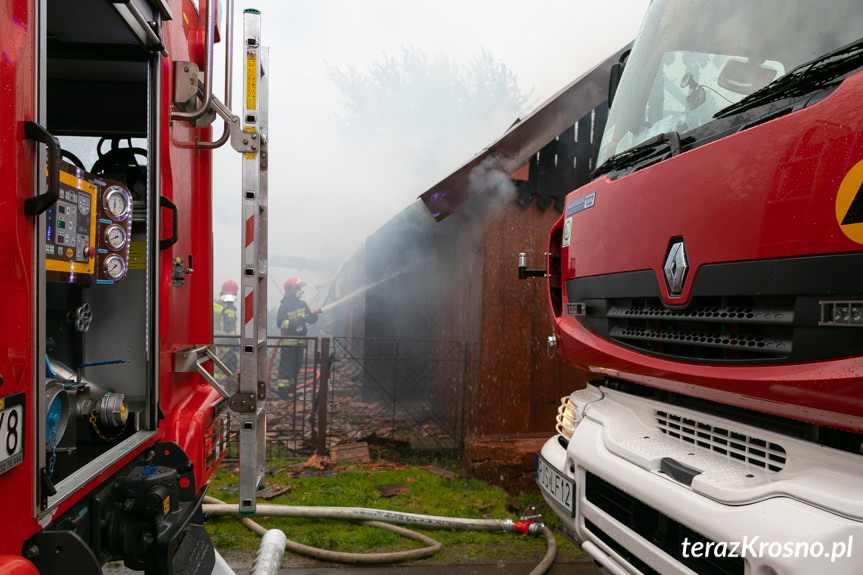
435 113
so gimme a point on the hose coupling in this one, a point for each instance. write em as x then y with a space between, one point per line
527 527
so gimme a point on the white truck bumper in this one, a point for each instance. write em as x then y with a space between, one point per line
633 517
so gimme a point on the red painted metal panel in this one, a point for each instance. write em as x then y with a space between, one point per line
17 154
12 565
767 192
185 312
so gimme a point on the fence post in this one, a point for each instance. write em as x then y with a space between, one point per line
464 385
395 392
323 387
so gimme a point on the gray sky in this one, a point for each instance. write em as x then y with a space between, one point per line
325 198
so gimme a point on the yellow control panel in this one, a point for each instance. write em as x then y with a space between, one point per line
88 229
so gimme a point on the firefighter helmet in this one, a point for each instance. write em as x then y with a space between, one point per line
229 287
294 286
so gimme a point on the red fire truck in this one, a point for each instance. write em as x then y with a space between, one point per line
710 280
111 421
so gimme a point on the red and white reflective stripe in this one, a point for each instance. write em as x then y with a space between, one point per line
249 310
249 292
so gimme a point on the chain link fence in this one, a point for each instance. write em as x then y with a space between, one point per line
293 377
407 391
410 393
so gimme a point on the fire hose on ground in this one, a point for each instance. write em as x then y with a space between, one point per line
378 518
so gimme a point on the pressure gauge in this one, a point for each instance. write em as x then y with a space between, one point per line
114 267
115 237
117 202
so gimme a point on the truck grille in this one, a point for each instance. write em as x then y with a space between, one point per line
656 527
733 444
715 330
765 311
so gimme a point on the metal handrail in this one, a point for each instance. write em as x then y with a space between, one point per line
208 75
148 31
229 78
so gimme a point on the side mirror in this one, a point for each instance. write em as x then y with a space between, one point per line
614 76
744 77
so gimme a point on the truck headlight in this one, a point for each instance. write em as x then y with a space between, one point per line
567 417
572 409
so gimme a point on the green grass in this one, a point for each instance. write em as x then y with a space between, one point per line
354 486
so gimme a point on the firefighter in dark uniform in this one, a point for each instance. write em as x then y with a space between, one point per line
292 318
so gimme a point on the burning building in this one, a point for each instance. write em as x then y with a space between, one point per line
444 272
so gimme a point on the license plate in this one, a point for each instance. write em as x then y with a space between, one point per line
555 485
11 431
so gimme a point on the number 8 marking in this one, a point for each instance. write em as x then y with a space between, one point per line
12 429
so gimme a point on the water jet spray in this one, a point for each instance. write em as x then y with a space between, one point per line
358 292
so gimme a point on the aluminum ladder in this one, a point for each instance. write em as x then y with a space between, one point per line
250 400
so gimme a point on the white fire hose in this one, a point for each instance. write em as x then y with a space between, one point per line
374 518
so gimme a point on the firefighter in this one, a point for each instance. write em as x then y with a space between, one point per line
292 318
225 323
225 310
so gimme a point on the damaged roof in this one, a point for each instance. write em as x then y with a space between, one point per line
523 139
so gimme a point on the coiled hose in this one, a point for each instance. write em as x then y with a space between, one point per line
383 519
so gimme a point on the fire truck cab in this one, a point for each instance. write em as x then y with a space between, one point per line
708 279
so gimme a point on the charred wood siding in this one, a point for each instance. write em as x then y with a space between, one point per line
520 385
564 164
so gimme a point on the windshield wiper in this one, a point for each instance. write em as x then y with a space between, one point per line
646 152
828 69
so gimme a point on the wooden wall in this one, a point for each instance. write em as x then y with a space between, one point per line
522 384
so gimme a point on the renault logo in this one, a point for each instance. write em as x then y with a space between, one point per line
675 268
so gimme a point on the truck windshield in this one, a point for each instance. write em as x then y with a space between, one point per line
693 58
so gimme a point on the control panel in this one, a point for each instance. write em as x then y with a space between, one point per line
88 229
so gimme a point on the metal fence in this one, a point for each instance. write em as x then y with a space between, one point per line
327 392
408 391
